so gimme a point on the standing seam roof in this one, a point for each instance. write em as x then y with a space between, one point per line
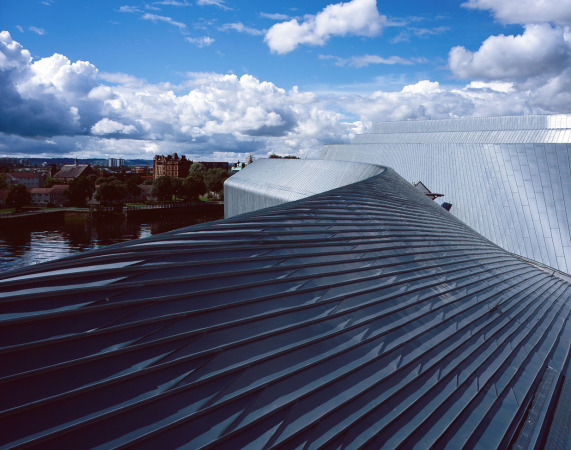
366 316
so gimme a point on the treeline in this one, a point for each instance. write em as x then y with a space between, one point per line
110 191
200 181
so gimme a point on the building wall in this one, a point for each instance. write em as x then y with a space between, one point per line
509 178
171 166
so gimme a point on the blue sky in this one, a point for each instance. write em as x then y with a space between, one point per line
218 79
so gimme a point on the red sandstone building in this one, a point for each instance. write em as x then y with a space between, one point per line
171 166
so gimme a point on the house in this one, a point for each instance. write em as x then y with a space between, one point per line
28 179
54 195
72 171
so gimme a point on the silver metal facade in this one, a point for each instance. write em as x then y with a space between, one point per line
270 182
509 178
362 317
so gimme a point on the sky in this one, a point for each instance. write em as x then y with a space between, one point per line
217 80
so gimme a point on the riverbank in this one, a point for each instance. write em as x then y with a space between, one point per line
138 213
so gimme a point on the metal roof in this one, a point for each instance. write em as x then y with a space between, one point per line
270 182
365 316
507 177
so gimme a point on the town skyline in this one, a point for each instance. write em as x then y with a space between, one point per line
218 79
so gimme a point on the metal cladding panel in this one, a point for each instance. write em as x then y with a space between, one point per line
466 137
270 182
517 195
365 316
500 123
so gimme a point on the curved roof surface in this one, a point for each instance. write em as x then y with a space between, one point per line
270 182
506 177
363 316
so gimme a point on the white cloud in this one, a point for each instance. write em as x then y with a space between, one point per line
172 3
156 18
274 16
108 126
241 28
366 60
525 11
541 51
219 3
203 41
357 17
129 9
404 36
429 100
37 30
209 114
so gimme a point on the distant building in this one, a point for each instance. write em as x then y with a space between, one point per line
215 165
28 179
72 171
115 162
171 166
54 195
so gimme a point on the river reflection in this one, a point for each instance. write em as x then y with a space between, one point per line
24 246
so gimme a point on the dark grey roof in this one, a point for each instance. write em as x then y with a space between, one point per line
72 171
363 316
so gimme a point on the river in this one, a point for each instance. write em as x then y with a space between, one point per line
24 246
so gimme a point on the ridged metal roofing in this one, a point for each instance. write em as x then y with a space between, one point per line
500 123
509 177
366 316
271 182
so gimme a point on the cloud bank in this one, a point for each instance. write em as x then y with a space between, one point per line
54 106
525 11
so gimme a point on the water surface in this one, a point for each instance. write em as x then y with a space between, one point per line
24 246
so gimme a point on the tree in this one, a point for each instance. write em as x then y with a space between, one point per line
197 167
3 181
163 188
194 186
79 191
92 178
214 179
18 197
50 182
111 194
177 188
132 186
274 156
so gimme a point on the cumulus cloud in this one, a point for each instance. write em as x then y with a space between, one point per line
541 51
56 106
42 98
57 100
357 17
108 126
429 100
525 11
